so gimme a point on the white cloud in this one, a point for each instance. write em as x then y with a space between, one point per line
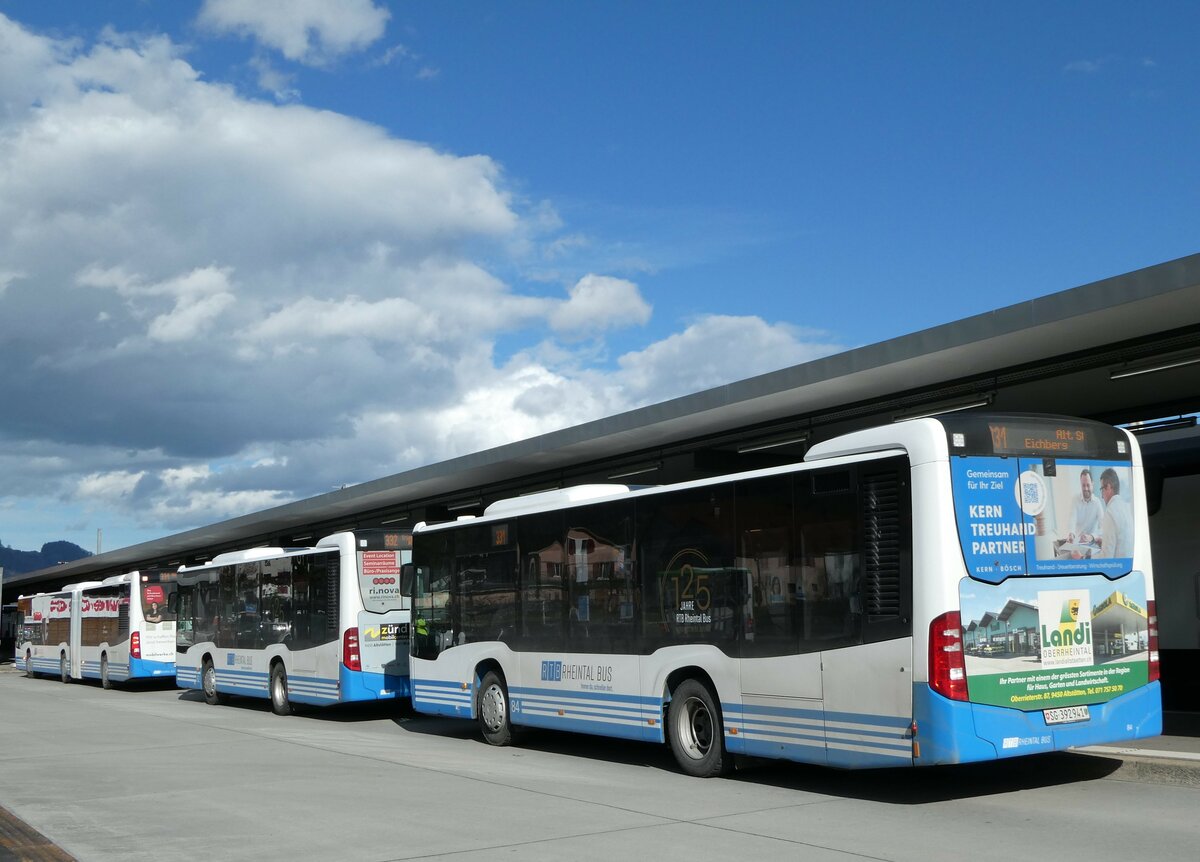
313 32
220 305
715 350
598 303
274 81
108 488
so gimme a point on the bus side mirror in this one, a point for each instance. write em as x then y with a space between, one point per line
173 602
407 572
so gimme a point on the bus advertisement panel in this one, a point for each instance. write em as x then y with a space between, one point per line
1045 643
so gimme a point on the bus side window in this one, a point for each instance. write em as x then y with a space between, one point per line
828 522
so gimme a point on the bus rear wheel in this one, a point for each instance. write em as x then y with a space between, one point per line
280 705
105 682
493 710
695 731
63 673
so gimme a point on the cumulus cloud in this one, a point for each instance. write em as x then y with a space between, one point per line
210 305
598 303
313 32
719 349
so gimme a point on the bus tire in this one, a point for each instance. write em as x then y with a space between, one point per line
493 710
29 664
695 731
280 705
63 673
208 681
105 682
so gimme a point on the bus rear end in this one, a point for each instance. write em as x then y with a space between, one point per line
152 637
1044 634
376 615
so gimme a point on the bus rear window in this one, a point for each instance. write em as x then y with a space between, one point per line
156 600
379 580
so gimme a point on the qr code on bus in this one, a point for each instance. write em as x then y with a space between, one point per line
1031 493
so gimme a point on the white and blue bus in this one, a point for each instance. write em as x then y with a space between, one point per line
914 594
321 625
115 630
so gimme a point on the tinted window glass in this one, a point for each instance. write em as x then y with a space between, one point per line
599 568
483 596
830 569
543 588
767 551
691 589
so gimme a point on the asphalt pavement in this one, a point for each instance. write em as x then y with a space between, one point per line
497 784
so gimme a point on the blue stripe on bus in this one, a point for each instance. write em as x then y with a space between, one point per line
441 697
587 695
813 736
891 721
349 686
623 730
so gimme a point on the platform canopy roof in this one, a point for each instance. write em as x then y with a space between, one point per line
1123 349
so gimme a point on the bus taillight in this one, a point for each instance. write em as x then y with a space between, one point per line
135 645
947 668
350 657
1152 644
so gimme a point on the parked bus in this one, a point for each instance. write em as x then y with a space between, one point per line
813 612
115 630
321 625
50 634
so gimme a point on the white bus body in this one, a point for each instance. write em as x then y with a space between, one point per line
50 636
320 625
114 630
833 612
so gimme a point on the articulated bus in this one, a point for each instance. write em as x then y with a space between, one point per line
115 630
320 625
916 594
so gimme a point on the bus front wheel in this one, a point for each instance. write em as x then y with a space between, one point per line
63 673
29 664
208 680
493 710
280 705
695 731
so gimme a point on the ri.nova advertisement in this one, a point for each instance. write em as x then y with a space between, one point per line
1050 642
1026 516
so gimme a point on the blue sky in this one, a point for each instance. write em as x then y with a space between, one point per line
252 251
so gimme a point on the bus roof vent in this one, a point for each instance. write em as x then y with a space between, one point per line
248 556
559 497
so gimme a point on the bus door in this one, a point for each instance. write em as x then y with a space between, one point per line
861 546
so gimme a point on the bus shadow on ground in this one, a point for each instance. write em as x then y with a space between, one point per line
917 786
340 712
923 785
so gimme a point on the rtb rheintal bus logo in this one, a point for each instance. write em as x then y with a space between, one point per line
552 671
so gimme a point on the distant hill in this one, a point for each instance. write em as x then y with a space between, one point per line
17 562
